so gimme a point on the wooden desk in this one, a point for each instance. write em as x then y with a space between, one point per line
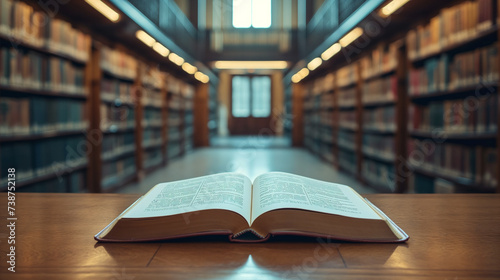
451 237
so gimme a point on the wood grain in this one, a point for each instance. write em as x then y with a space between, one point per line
451 237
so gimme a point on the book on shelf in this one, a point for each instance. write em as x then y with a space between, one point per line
229 204
451 26
20 23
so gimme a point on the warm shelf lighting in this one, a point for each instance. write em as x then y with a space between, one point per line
315 63
201 77
278 64
176 59
303 73
190 69
351 36
104 9
331 51
159 48
296 78
392 6
145 38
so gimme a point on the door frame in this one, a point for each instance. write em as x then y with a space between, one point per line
231 120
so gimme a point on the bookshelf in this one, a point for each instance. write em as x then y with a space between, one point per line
43 101
418 107
79 111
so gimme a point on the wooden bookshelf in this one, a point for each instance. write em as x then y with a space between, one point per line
121 132
469 137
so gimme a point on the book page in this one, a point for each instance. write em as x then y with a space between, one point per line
277 190
227 191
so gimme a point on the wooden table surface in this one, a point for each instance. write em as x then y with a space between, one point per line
451 237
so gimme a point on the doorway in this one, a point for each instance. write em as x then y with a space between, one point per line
251 104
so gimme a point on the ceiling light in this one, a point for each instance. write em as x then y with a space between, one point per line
159 48
176 59
104 9
331 51
392 6
201 77
351 36
315 63
145 38
251 64
190 69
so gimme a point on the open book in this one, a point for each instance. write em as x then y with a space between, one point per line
275 204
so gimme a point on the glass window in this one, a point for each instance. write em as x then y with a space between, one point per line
261 97
241 97
252 13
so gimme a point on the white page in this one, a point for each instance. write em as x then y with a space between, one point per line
277 190
228 191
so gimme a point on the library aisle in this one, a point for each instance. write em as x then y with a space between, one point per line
249 160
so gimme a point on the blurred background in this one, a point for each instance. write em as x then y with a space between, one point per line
120 95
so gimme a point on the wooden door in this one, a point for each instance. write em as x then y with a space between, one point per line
251 105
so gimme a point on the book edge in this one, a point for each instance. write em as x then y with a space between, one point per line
400 233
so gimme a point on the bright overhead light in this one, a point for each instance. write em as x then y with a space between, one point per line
303 73
278 64
159 48
145 38
176 59
201 77
315 63
104 9
392 6
331 51
296 78
351 36
190 69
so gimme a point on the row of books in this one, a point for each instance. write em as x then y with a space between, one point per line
116 118
74 182
326 101
174 150
33 70
151 137
378 174
175 103
117 171
348 120
451 26
346 140
347 75
450 73
326 118
118 63
347 161
114 90
321 85
381 60
152 98
179 87
380 90
117 144
33 159
152 117
380 119
37 115
152 158
347 97
153 78
20 23
379 146
470 115
470 164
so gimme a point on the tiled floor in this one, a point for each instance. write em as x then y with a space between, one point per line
249 160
